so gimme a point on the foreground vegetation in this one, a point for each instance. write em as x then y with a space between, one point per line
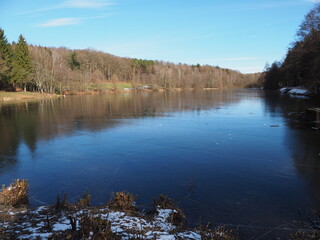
60 70
300 66
118 219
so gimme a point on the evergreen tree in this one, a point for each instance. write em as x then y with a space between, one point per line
22 66
73 61
5 60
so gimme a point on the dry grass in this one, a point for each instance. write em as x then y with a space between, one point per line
14 96
16 194
123 201
85 200
61 204
96 228
164 202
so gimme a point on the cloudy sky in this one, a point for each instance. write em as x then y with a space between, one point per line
242 35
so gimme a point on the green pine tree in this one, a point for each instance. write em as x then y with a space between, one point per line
73 61
22 65
5 60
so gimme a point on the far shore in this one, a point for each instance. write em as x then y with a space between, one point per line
23 96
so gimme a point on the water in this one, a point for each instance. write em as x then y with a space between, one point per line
236 157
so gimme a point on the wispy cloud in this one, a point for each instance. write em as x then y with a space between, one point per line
73 4
60 22
86 3
68 21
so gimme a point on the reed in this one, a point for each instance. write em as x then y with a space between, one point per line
16 194
164 202
96 228
85 200
122 201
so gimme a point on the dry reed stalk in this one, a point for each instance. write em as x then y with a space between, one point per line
164 202
122 201
85 200
16 194
96 228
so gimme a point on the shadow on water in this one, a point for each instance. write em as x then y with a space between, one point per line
302 137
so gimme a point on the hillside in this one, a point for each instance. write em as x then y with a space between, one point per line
43 69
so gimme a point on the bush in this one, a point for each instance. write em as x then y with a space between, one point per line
123 201
16 194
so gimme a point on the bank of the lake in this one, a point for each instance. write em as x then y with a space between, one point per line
24 96
119 218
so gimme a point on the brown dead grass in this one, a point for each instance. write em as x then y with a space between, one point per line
96 228
163 202
16 194
123 201
61 204
85 200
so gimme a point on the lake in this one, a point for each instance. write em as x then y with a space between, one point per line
233 157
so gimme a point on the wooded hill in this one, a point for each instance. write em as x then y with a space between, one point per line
43 69
301 65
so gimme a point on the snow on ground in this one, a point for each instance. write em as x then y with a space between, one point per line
294 90
297 91
124 225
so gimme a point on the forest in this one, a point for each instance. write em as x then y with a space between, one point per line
59 70
301 65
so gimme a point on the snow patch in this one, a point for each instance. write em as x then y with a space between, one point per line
40 209
62 225
294 90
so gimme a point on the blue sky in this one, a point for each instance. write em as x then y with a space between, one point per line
241 35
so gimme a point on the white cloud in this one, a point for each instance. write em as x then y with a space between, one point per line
72 4
86 3
61 22
69 21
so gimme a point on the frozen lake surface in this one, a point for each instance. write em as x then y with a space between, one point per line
234 157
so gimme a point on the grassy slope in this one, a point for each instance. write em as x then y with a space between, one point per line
11 96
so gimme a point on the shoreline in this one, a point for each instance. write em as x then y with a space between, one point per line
119 218
131 90
9 97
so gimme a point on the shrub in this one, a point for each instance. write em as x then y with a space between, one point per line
123 201
16 194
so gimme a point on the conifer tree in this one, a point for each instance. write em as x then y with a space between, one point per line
22 65
5 60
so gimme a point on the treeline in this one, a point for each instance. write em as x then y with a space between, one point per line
36 68
301 65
